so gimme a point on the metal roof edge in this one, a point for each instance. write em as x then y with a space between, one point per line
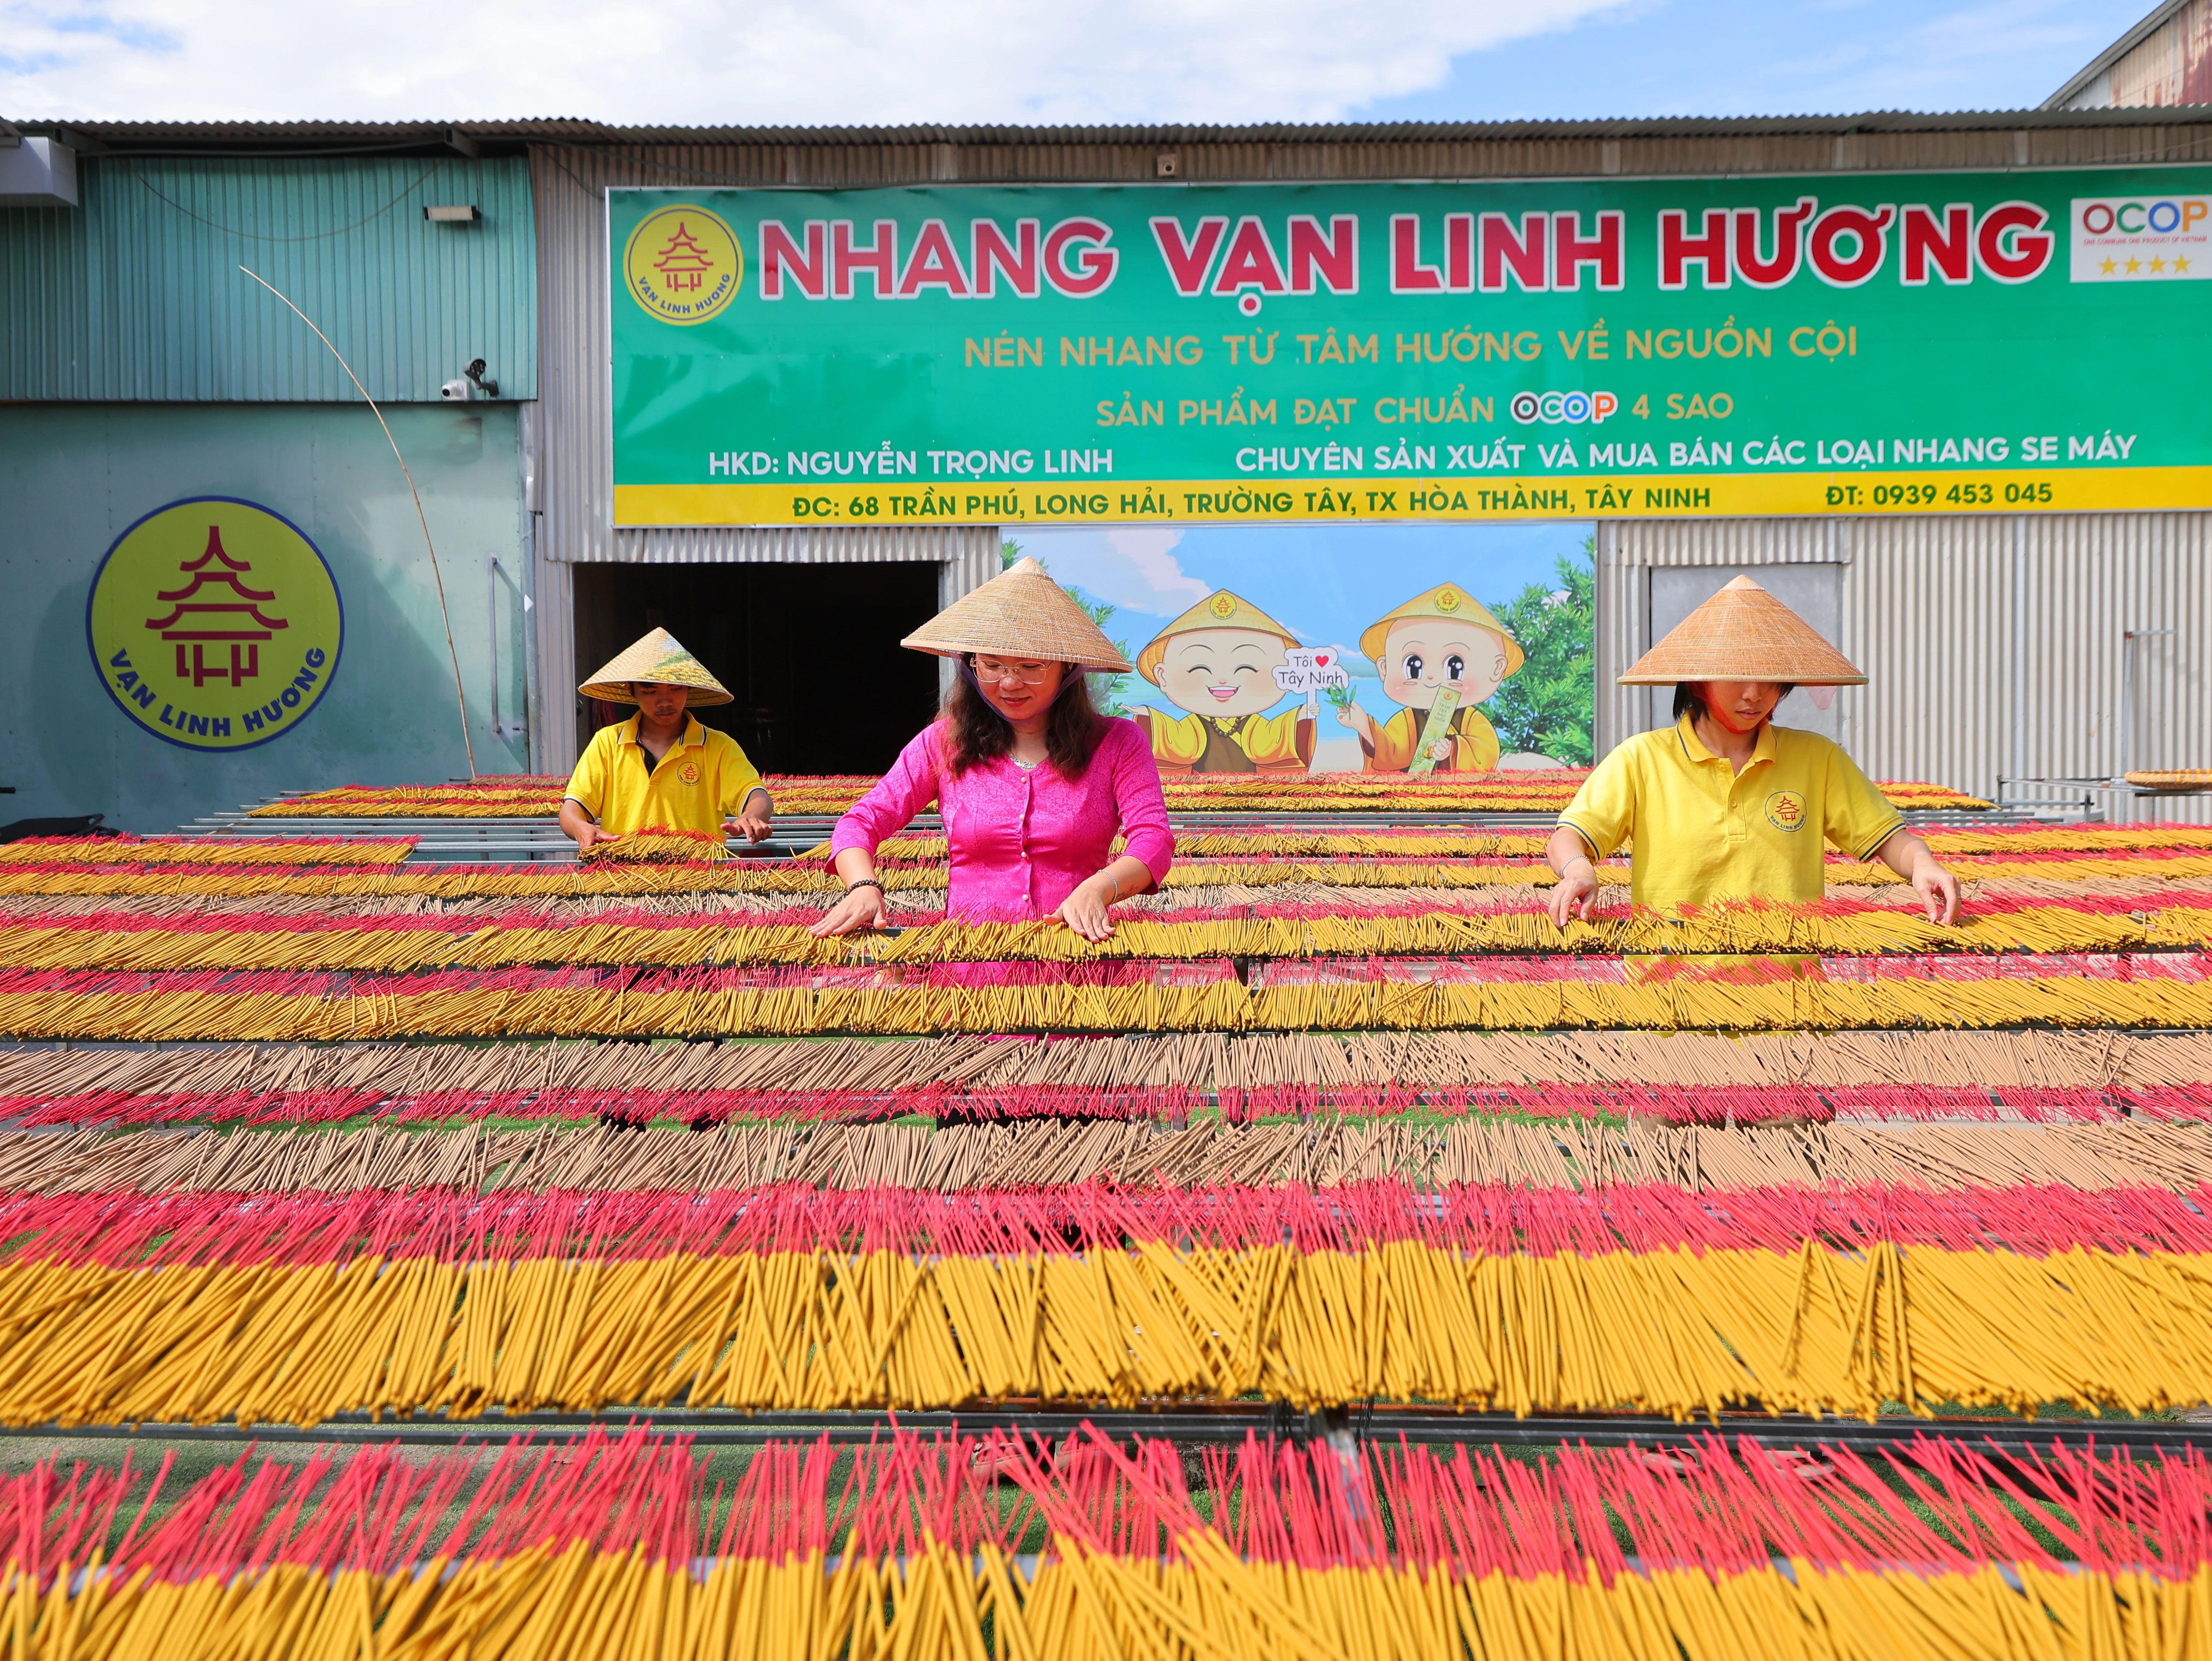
313 137
2112 54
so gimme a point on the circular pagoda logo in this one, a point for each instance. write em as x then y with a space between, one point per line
214 623
683 263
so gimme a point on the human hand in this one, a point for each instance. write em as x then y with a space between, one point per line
751 825
589 836
1575 895
863 907
1938 890
1084 910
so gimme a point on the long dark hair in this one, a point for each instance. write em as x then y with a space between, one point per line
1688 703
974 732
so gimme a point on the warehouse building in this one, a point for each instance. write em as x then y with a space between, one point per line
464 274
2165 59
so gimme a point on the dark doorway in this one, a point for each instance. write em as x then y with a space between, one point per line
812 652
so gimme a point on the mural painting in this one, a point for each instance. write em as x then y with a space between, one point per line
1362 649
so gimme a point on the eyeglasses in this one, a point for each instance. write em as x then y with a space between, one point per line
1028 674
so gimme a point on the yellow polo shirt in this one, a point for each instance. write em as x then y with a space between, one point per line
699 783
1702 831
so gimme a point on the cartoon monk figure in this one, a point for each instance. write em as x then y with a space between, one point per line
1445 637
1217 661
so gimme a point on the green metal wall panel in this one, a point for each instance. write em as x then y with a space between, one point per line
75 477
136 293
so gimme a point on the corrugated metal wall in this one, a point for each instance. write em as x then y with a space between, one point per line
833 545
74 476
573 459
136 295
2173 65
1928 609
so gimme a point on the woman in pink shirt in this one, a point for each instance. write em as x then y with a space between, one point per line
1032 782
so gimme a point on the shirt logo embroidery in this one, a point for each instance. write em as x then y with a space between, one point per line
690 773
1786 810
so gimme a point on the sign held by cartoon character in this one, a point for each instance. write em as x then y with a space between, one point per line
1311 669
1221 662
1442 642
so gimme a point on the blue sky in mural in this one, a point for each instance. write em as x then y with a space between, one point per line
1324 583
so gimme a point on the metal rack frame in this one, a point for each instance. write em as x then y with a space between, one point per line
1362 1422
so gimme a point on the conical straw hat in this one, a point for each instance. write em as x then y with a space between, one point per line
1743 633
1021 612
659 657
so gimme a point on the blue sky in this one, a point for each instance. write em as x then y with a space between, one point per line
875 62
1742 57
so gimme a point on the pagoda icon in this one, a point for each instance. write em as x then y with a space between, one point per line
189 621
683 264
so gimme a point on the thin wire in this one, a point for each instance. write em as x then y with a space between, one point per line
445 616
312 236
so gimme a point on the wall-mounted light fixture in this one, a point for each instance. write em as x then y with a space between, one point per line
457 213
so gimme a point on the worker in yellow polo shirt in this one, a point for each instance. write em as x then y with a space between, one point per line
661 767
1723 805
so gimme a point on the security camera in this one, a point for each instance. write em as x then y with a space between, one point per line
475 372
456 391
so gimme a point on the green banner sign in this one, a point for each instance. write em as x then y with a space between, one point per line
1913 342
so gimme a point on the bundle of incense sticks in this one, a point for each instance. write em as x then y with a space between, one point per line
1696 1077
1382 873
1521 791
489 796
1495 994
158 851
907 1549
658 844
1321 1151
1428 843
2145 873
191 938
292 1308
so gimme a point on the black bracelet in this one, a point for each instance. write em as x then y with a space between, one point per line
867 882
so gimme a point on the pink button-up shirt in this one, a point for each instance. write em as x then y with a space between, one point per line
1021 839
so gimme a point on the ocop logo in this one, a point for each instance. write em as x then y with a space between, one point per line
2142 239
683 263
2133 218
214 623
1557 408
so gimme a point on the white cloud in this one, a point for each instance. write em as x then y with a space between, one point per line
1135 569
751 62
1151 555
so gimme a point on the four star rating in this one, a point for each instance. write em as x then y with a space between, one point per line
2177 266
